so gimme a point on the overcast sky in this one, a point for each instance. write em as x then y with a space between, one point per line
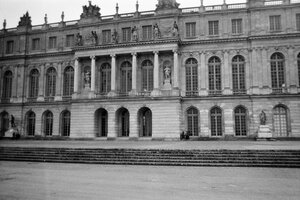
12 10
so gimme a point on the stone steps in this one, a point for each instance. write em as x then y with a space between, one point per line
237 158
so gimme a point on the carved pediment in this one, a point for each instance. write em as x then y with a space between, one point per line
25 20
90 11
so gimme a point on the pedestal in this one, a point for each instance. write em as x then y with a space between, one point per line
264 132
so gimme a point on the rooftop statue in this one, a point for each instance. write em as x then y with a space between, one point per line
90 11
25 20
167 4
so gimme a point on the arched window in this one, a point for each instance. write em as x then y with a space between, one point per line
145 122
34 83
277 72
214 76
48 123
240 115
280 121
299 68
216 121
192 122
7 85
68 81
126 77
101 122
191 77
65 123
4 123
147 76
50 82
31 124
238 75
123 122
105 78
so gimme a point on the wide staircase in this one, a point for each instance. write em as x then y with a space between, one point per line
225 158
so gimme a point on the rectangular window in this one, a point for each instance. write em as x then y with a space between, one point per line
190 29
237 26
106 36
52 42
298 21
213 27
36 44
126 33
70 40
275 23
147 32
9 47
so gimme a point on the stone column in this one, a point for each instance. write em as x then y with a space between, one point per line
292 73
203 75
113 75
176 68
21 83
93 74
41 84
58 96
255 73
226 75
247 73
156 91
76 76
134 74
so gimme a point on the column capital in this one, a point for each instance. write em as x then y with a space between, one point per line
134 54
93 57
175 51
113 55
76 58
156 52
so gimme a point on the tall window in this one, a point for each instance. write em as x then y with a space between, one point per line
192 122
68 81
216 122
147 76
126 77
238 75
70 40
7 85
52 42
214 75
277 72
106 36
50 82
213 27
9 47
147 32
36 44
30 123
48 123
237 26
280 121
4 123
275 23
65 123
126 33
191 77
299 68
190 29
298 22
34 83
240 121
105 78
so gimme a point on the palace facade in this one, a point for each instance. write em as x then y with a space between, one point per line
207 70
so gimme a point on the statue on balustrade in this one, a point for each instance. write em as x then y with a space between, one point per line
167 4
156 32
78 40
134 32
115 37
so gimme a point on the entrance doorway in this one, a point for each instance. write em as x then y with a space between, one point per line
145 122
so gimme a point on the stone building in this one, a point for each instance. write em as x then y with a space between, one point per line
207 70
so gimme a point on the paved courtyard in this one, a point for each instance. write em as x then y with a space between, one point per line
36 181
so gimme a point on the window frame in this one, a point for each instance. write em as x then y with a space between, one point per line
68 81
9 47
237 26
52 42
275 23
147 76
215 76
238 75
106 36
278 79
192 115
34 83
7 85
36 44
51 82
70 39
147 32
190 29
126 34
105 78
213 28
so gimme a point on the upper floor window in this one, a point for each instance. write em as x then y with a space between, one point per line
191 77
214 76
277 72
238 75
36 44
34 83
7 85
147 76
106 36
50 82
237 26
213 27
298 22
147 32
126 34
299 68
70 40
105 78
9 47
126 77
52 42
275 23
68 81
190 29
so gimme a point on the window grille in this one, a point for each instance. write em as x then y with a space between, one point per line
9 47
70 40
126 78
147 76
237 26
275 23
193 122
238 75
50 82
34 83
66 119
240 121
190 29
31 124
216 122
213 27
52 42
68 81
106 36
105 78
277 72
214 76
7 85
147 32
191 77
280 121
126 33
48 124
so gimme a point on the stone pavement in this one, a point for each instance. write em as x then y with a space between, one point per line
127 144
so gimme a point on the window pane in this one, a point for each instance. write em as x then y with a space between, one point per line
147 32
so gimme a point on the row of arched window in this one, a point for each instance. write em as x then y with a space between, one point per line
191 75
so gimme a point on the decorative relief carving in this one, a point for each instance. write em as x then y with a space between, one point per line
25 20
167 4
90 11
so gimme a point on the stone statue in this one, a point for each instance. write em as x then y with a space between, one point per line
134 34
262 118
12 121
167 72
94 37
156 32
4 24
115 37
62 16
46 19
25 20
87 78
167 4
175 29
90 11
78 40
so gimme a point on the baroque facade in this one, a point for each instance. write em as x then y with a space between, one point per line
207 70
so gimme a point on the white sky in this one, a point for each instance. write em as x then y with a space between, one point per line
12 10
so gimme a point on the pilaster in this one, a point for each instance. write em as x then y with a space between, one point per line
113 76
76 78
134 74
93 76
265 72
203 75
58 96
41 84
292 71
226 75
